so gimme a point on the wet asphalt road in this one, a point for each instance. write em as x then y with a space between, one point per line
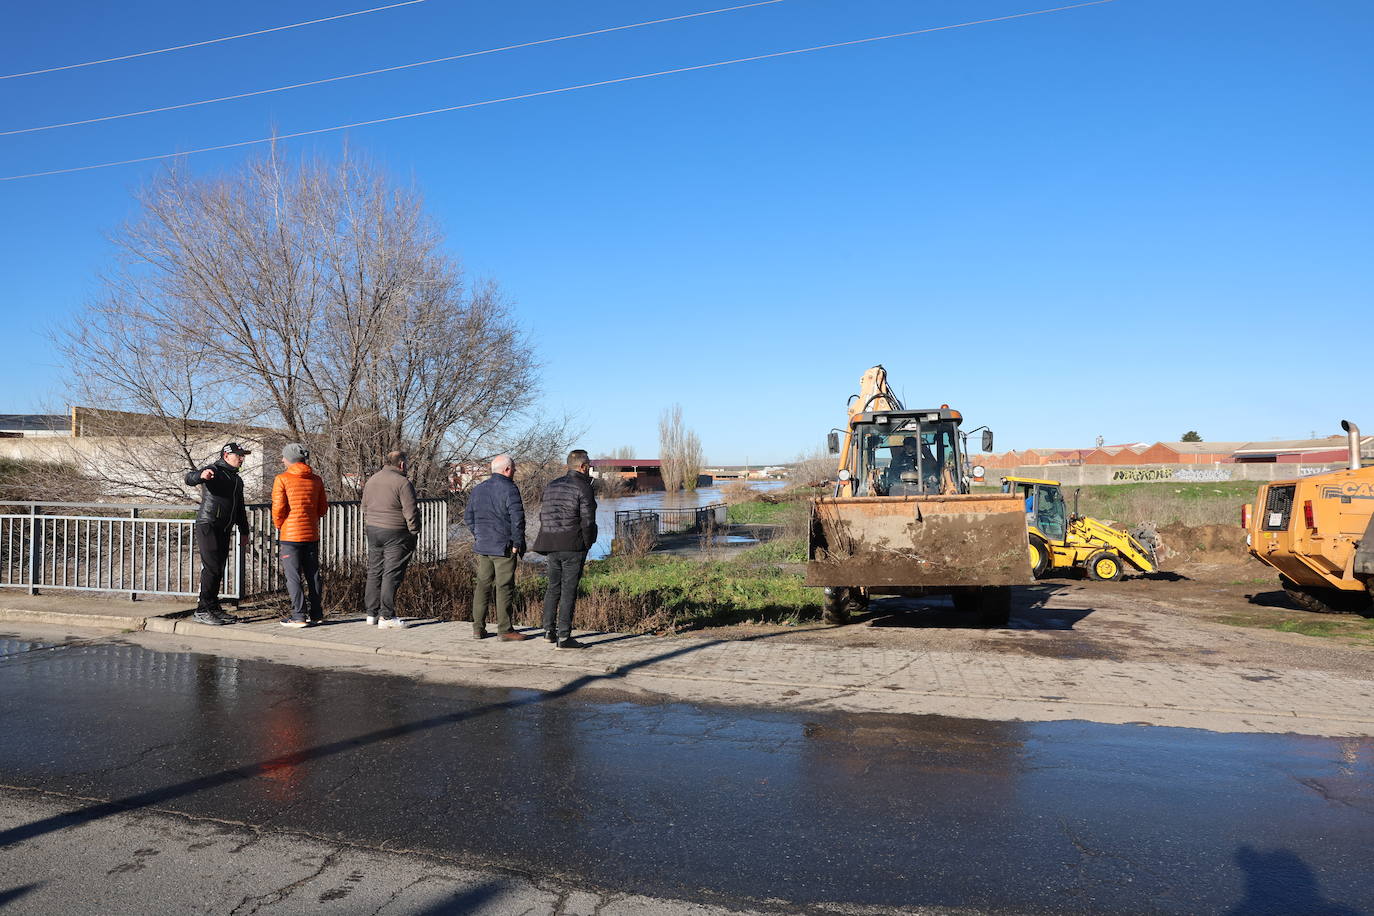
712 804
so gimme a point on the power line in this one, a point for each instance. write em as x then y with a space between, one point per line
561 89
209 41
349 76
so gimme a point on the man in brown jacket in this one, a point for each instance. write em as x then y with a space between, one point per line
392 519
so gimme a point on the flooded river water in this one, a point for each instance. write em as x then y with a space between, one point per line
704 496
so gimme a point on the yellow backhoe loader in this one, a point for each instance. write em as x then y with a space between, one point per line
1318 532
1062 540
901 520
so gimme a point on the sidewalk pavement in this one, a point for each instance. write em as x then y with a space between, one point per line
67 610
805 669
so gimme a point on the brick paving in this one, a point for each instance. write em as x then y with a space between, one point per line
793 671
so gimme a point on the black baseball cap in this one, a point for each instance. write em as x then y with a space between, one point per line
233 448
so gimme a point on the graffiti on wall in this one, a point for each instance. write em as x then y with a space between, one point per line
1177 475
1142 475
1202 475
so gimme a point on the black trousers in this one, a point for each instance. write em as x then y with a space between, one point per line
388 554
300 564
214 548
565 571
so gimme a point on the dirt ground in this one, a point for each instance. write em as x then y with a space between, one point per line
1209 604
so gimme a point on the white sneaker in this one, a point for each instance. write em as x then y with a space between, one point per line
371 621
295 624
391 623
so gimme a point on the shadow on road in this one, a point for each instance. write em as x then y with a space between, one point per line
1280 883
465 901
1030 611
1276 598
264 767
1161 576
15 893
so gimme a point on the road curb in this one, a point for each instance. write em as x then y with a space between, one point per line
26 615
240 633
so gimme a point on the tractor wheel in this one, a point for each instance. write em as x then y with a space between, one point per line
835 610
1039 557
1325 600
994 606
1104 566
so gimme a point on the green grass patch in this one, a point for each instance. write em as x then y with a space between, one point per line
1168 503
692 593
1161 503
1348 628
780 550
760 512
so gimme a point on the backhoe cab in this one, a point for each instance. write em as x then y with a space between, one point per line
1066 540
906 453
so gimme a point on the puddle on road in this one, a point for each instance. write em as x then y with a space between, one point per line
678 800
13 645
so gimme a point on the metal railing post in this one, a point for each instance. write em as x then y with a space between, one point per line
133 513
35 541
241 565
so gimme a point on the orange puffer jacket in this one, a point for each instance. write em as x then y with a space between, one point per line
298 503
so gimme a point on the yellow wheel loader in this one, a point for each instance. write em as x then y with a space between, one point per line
901 520
1318 532
1060 540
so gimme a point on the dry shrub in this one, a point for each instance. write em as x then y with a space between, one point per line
813 469
638 540
611 486
445 590
736 492
739 491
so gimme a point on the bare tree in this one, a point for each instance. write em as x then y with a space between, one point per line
679 451
313 301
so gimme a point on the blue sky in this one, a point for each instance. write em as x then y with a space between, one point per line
1128 220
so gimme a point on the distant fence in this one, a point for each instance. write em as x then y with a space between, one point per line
643 527
151 549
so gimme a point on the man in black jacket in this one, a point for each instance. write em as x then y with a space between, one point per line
221 508
567 530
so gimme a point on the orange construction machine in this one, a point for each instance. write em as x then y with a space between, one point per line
1318 532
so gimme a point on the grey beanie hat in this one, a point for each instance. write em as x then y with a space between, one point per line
295 452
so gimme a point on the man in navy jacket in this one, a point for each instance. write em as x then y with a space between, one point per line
496 517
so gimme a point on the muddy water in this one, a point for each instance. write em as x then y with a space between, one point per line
607 508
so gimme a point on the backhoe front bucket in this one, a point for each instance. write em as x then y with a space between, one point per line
928 541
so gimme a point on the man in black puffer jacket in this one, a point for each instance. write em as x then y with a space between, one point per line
221 508
567 530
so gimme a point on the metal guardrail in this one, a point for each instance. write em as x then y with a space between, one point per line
642 527
151 549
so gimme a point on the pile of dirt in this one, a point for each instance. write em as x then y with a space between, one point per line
1182 545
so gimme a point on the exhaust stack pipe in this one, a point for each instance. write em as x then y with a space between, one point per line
1353 432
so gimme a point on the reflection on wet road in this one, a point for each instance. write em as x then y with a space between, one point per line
680 801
